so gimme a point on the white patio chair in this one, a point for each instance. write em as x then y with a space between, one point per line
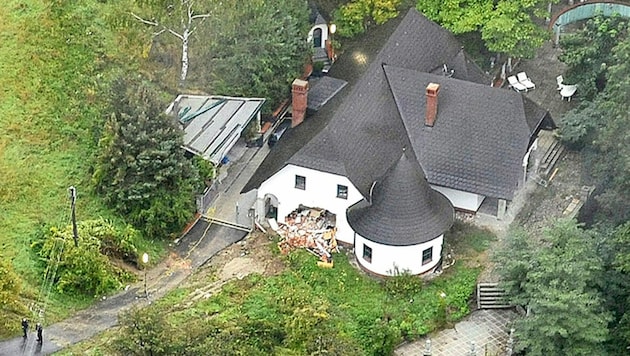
515 84
524 79
560 80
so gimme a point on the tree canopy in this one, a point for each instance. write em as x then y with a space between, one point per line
506 26
600 54
236 48
252 48
354 17
141 170
556 281
588 52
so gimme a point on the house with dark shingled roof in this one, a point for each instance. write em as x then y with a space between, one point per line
471 141
400 226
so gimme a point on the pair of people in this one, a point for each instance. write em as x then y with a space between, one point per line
38 328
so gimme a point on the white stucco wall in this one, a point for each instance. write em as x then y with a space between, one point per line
385 258
320 192
324 29
461 200
528 158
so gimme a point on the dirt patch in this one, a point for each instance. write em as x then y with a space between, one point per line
551 202
257 253
241 267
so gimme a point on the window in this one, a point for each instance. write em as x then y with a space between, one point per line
342 191
427 256
300 182
367 253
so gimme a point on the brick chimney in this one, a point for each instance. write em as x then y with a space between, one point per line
432 103
299 91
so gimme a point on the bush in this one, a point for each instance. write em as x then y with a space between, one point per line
85 269
10 288
403 285
207 170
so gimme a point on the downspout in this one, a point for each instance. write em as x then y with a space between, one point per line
371 190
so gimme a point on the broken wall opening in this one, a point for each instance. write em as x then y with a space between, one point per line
310 228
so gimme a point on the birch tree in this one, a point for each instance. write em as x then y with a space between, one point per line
188 22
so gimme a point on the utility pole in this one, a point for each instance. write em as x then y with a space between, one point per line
73 199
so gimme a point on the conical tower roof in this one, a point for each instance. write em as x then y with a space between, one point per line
404 209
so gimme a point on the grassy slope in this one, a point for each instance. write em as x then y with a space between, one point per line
53 57
348 294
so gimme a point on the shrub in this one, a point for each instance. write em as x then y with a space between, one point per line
403 284
85 269
10 288
207 170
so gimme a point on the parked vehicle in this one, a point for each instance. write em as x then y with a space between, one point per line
278 132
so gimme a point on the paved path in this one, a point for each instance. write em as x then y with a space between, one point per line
200 243
488 329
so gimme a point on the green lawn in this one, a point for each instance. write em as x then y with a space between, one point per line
55 57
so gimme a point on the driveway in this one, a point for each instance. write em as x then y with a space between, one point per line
202 241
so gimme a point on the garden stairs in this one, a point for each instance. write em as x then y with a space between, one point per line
491 296
321 55
553 154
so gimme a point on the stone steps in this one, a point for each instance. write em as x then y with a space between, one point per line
553 154
491 296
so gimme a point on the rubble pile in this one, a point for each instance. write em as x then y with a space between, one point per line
310 228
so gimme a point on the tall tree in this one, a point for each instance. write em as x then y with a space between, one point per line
588 52
614 247
141 170
506 26
354 17
566 313
253 48
601 127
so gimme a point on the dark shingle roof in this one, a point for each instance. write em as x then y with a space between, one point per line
404 209
315 17
536 117
322 90
321 154
368 130
346 68
479 137
368 122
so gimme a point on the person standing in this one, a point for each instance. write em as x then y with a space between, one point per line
39 330
25 327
